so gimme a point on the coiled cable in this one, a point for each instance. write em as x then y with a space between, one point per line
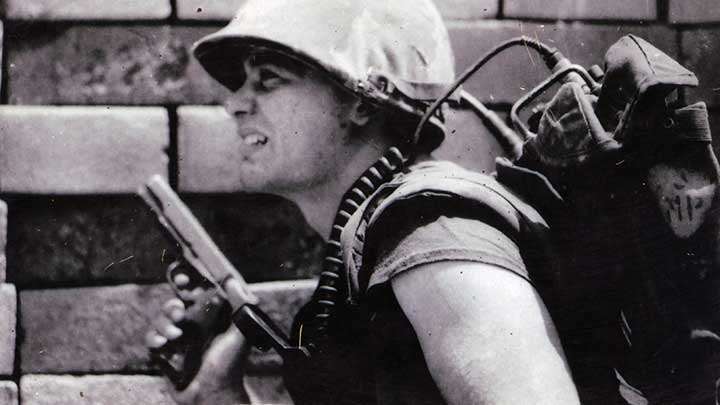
331 286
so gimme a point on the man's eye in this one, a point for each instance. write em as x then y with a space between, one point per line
270 80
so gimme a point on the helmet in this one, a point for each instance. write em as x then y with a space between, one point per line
393 53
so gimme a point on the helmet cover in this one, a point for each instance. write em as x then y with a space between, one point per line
393 53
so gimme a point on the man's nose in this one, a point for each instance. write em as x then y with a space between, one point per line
240 102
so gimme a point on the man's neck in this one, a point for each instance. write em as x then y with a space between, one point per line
320 203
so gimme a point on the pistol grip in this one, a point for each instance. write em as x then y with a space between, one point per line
180 359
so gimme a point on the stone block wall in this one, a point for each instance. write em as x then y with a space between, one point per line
96 96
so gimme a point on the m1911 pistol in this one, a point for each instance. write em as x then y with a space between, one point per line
208 267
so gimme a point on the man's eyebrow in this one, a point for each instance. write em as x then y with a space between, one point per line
269 58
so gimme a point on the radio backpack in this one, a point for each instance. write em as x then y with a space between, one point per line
628 182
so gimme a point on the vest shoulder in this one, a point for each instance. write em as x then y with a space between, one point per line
441 178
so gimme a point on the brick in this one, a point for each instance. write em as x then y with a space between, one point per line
91 240
516 71
81 240
101 389
701 50
1 55
8 393
77 150
207 145
581 9
282 299
83 330
3 241
107 65
266 389
265 237
86 9
468 9
693 11
225 9
8 324
207 9
101 329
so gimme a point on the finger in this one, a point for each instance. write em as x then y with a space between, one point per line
181 280
167 328
154 340
196 293
174 309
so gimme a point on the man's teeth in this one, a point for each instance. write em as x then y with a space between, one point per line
255 140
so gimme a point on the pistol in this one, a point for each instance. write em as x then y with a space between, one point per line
225 291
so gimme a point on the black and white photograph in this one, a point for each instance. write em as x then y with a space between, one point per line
359 202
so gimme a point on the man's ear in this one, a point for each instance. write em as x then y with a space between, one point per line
361 112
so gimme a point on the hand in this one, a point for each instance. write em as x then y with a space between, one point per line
165 328
220 379
177 342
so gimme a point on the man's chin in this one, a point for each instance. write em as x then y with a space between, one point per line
257 185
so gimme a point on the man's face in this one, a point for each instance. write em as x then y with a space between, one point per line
293 125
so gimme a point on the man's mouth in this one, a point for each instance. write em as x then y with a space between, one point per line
254 139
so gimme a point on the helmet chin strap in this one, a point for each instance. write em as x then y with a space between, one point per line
332 286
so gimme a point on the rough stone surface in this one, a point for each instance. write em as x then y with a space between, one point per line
514 72
107 65
81 149
8 393
207 9
75 241
101 329
266 389
3 241
225 9
468 10
101 389
8 325
281 299
1 56
265 237
96 329
581 9
693 11
80 240
701 49
207 150
85 9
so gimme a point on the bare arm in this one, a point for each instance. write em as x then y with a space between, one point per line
485 334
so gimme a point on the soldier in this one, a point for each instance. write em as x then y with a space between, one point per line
426 294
